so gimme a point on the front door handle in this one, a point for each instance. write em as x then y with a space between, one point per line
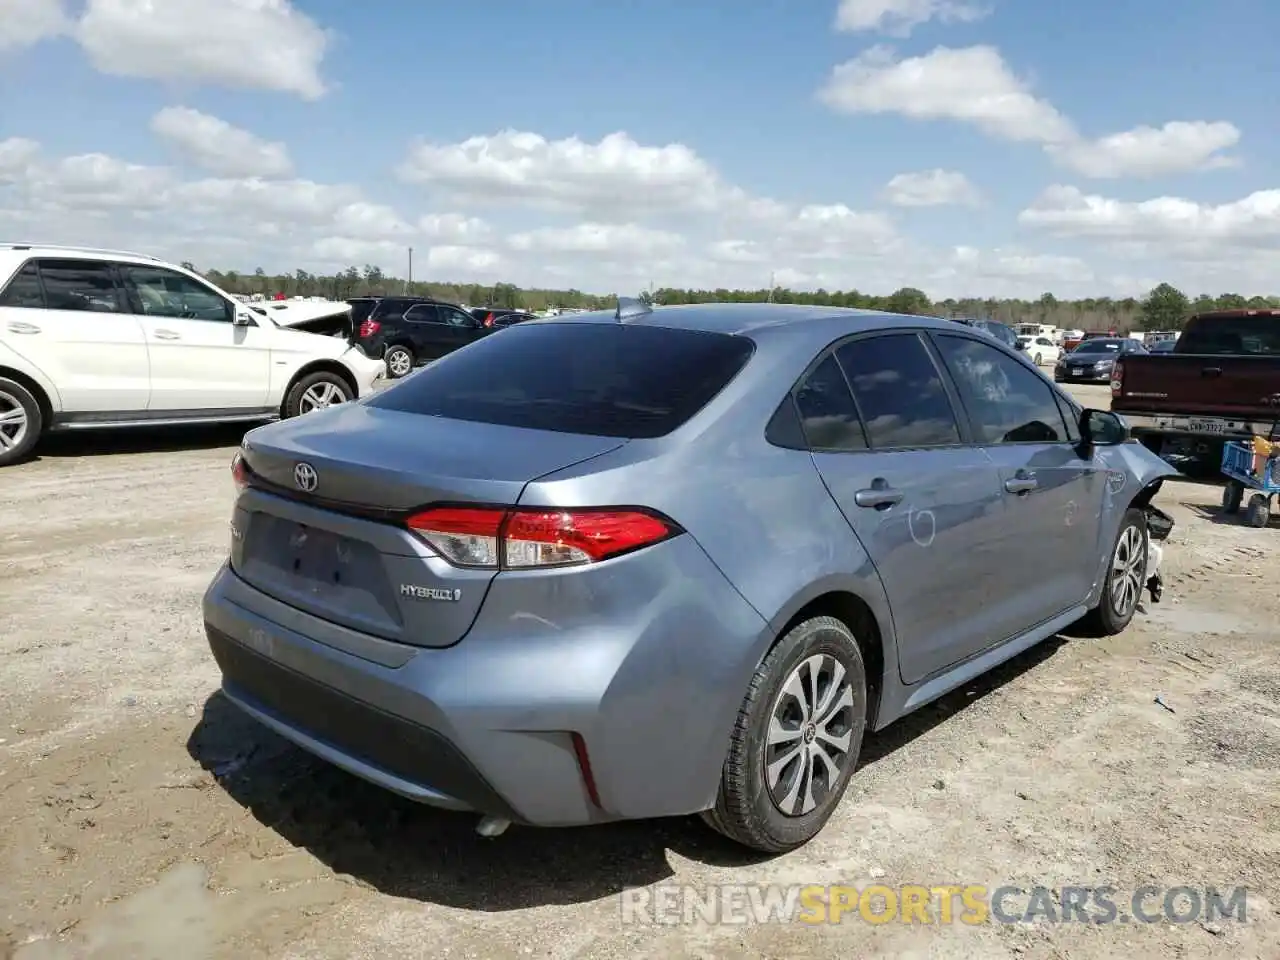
1021 483
879 496
18 326
167 335
1211 371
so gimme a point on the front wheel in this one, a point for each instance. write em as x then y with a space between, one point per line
1039 360
20 422
796 740
316 391
1259 512
1125 578
399 362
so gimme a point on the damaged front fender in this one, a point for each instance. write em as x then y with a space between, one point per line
1134 477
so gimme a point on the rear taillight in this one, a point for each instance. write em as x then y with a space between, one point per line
488 320
527 539
368 328
1117 378
239 472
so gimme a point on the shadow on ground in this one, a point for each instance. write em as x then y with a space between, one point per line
407 850
133 440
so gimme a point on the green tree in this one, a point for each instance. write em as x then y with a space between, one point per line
907 300
1165 308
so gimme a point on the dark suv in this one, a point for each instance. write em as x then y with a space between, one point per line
406 331
500 316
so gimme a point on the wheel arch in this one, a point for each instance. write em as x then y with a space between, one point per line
33 387
320 366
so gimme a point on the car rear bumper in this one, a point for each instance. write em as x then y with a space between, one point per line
1202 427
493 724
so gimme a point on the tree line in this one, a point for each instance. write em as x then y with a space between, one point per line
1164 308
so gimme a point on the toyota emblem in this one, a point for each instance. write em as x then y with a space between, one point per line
305 476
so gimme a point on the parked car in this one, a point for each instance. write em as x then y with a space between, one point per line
1040 349
1161 346
666 561
1002 332
1221 381
1094 359
102 339
407 331
500 317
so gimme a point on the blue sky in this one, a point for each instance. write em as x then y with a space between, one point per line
1085 149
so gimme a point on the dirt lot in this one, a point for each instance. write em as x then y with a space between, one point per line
141 817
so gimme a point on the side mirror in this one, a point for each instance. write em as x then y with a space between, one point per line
240 319
1103 428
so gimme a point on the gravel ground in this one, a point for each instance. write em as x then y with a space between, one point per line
141 817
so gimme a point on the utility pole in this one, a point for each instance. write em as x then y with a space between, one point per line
771 287
409 283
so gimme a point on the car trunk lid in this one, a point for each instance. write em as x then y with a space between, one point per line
341 550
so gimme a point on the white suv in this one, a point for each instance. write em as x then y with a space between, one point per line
99 338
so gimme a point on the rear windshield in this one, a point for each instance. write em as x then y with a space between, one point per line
603 379
1231 335
360 310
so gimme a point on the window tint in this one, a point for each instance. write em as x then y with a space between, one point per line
1007 402
1231 335
605 379
455 317
164 293
1071 414
79 285
24 289
360 310
827 411
899 392
422 313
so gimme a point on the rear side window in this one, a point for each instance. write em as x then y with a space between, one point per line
360 310
393 307
603 379
827 411
24 289
1231 335
899 392
81 285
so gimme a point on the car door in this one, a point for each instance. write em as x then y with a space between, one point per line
1053 494
70 319
201 361
925 505
431 336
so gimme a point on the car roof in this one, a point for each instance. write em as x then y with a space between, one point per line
15 253
757 319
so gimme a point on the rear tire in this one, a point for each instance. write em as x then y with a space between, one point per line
1125 578
316 391
1259 512
1232 496
21 422
789 764
399 362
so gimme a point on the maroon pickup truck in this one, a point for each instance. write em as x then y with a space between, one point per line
1221 381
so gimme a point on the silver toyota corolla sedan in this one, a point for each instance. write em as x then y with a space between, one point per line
656 562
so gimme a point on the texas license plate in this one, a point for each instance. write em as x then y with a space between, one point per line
1207 426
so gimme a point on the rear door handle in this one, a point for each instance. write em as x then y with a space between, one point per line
167 335
18 326
1021 483
1211 371
878 497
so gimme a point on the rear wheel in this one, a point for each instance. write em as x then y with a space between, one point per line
1125 578
1232 496
1259 512
316 391
20 421
796 741
399 362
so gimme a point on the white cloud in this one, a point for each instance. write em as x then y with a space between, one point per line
24 23
257 44
219 147
1171 221
974 85
1177 147
598 239
616 173
899 17
455 228
931 188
